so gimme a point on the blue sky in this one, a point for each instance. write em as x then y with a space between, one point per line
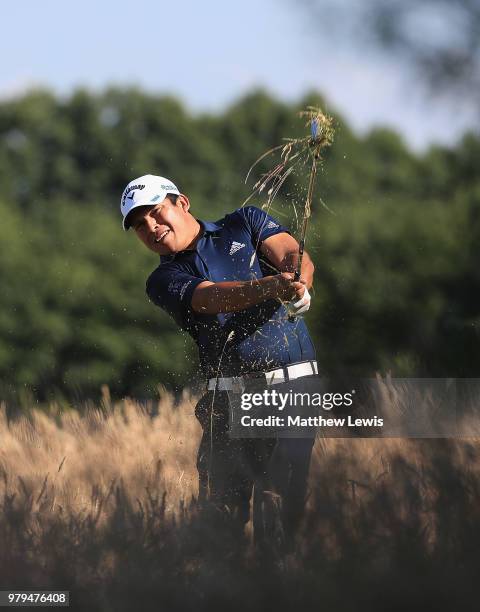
210 53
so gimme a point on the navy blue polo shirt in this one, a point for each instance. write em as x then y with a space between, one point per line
258 338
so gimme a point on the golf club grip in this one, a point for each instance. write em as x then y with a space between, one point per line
296 277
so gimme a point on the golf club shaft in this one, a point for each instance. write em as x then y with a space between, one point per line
306 217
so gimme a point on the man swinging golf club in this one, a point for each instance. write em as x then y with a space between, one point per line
231 286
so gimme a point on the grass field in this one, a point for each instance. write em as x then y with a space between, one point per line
102 502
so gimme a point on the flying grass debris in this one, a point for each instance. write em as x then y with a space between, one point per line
295 154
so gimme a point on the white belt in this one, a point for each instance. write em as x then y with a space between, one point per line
272 377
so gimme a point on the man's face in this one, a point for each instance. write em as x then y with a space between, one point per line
165 228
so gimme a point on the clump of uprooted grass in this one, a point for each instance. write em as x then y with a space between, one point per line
103 504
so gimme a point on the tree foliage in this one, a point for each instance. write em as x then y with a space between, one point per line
397 285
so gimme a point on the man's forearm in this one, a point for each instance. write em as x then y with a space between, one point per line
281 250
231 296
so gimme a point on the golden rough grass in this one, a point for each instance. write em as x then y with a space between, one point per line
73 460
92 501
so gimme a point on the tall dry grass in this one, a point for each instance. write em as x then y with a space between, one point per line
74 459
103 503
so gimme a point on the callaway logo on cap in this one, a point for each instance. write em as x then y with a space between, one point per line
147 190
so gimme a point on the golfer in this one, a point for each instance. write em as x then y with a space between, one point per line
230 285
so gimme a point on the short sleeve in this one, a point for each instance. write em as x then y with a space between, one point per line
261 225
172 289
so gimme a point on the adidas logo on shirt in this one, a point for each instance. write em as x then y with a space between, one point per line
236 246
271 225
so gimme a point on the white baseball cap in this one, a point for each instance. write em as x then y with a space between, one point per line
146 190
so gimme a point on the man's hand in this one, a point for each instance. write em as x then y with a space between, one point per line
299 303
295 309
287 289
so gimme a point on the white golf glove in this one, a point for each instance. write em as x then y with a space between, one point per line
295 309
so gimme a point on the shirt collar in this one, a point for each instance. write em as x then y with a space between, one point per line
209 227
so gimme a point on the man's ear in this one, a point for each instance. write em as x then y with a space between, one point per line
184 202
